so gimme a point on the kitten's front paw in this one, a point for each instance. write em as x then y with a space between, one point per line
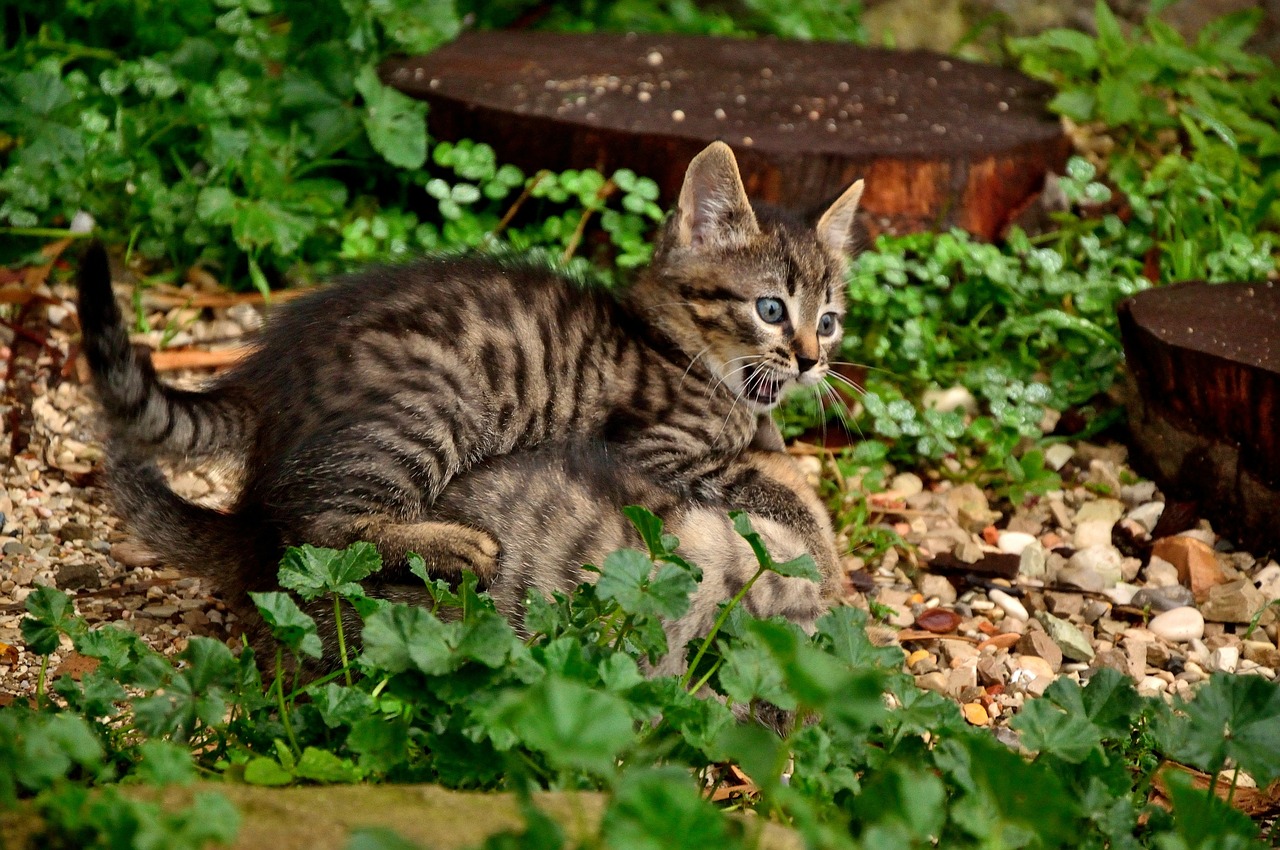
474 550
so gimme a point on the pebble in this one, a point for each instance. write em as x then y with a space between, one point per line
1070 640
1234 602
1147 515
1178 625
1225 659
1014 542
976 714
1058 455
1163 598
1160 573
1008 604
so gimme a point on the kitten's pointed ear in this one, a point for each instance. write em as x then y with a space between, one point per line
713 211
835 226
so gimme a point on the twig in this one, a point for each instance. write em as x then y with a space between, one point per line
601 194
170 361
516 204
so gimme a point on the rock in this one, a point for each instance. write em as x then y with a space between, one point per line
1117 660
1091 533
956 651
1040 645
1032 674
935 681
1261 652
1268 580
963 679
906 485
1194 559
75 531
1178 626
1151 686
975 714
1160 573
1014 542
1070 640
1032 562
1122 593
1235 602
1008 604
1100 510
1147 515
1094 610
1104 560
1138 494
160 612
1064 604
950 399
968 504
81 576
937 587
1083 578
1163 598
1058 455
14 548
1224 659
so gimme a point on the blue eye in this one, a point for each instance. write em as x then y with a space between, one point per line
827 324
771 310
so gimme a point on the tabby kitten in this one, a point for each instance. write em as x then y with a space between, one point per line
362 401
549 510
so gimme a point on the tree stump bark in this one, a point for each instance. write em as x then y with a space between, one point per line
941 142
1204 405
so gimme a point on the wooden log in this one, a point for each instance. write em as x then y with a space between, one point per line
941 142
1204 403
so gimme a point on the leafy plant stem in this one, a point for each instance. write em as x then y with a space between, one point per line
44 670
604 192
342 643
715 628
517 203
284 711
622 633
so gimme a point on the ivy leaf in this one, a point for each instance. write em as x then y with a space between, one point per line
395 123
289 624
312 571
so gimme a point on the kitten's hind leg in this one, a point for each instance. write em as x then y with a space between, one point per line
448 548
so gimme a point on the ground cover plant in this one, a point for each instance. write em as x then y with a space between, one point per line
254 137
454 696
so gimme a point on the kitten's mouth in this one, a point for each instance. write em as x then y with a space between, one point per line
763 387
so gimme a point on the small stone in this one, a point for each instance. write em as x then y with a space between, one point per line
1138 494
1070 640
940 621
938 587
950 399
975 714
1160 573
1235 602
1083 578
75 531
1100 510
1197 566
1178 626
1163 598
1014 542
1122 593
1064 604
1008 604
82 576
935 681
1058 455
1151 686
1033 561
1225 659
15 547
1091 533
160 612
919 655
906 485
1094 610
1261 652
1147 515
1268 580
968 504
1033 674
1040 645
1104 561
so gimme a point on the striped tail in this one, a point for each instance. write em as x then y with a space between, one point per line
143 413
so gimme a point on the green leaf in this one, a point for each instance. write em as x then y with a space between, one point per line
661 808
165 763
402 637
339 706
1110 37
312 571
1118 101
323 766
395 123
1203 821
50 615
630 579
266 771
1232 717
288 623
380 743
574 726
1046 728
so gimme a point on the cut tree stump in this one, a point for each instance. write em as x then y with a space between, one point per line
941 142
1204 405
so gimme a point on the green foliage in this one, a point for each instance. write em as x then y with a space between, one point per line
465 702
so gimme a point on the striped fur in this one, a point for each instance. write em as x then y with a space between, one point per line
361 402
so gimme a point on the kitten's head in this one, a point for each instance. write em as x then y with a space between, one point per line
755 294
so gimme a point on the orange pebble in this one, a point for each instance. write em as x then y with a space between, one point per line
991 535
1002 641
975 714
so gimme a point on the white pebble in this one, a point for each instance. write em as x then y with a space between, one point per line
1008 604
654 58
1225 658
1178 625
1014 542
677 115
1147 515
